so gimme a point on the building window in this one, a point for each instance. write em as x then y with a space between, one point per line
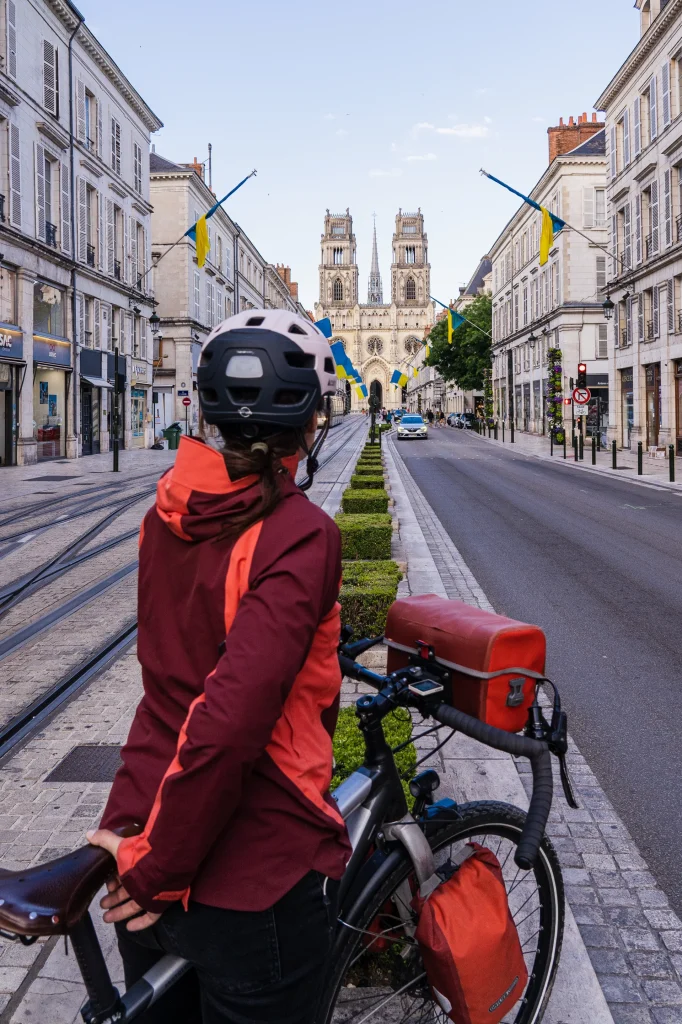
8 296
338 229
600 207
50 78
115 145
338 257
197 295
90 112
48 309
601 273
410 254
375 346
602 335
410 289
409 229
137 158
337 292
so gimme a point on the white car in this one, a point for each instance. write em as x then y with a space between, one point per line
412 427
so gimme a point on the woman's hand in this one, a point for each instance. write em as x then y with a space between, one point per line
118 903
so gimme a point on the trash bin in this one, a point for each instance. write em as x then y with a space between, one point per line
172 435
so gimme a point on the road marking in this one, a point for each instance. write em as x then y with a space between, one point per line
634 506
63 516
23 540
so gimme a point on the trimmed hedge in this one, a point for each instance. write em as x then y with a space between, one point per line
385 426
365 607
357 574
358 482
349 746
365 536
367 469
364 500
370 460
372 449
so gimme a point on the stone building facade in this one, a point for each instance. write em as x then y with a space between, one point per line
74 239
378 337
643 108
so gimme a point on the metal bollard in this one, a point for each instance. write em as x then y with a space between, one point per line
598 440
551 443
639 458
564 444
496 430
512 431
581 447
575 448
671 462
502 431
594 450
614 461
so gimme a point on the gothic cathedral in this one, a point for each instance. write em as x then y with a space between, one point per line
379 337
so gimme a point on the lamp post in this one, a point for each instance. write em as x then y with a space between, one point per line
608 306
114 411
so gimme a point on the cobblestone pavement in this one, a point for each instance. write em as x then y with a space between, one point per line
633 938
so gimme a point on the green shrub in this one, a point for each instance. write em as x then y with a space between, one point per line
372 449
385 426
370 460
363 500
358 573
360 481
365 607
368 469
349 746
365 536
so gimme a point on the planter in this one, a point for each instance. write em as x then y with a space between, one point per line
365 536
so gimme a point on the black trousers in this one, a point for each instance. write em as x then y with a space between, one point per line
247 967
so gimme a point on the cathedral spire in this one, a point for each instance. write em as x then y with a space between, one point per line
375 294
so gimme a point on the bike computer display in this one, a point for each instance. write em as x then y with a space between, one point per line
426 688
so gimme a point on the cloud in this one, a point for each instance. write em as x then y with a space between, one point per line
540 120
488 120
395 172
424 125
485 91
341 132
329 117
462 131
421 156
393 147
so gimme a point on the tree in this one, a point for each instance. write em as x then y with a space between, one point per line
466 360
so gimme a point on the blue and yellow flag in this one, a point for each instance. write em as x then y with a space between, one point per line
454 321
344 367
551 224
363 389
415 372
325 325
399 378
199 231
428 351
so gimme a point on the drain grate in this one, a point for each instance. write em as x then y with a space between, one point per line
91 762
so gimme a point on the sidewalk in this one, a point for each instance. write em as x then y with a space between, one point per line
622 959
655 472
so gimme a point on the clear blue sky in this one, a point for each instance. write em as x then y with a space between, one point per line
326 101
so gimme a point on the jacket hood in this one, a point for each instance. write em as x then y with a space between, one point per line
196 496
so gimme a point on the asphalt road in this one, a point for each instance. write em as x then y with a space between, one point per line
597 562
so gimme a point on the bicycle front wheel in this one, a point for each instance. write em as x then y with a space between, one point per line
379 976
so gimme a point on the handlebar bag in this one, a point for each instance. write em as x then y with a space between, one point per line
468 940
494 662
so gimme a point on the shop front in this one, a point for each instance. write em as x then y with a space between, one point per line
93 388
598 406
163 408
653 403
12 373
51 380
526 405
140 399
116 397
518 406
627 404
537 407
678 406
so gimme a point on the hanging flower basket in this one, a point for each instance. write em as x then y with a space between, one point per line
555 396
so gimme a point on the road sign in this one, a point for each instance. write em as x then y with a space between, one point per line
581 396
187 401
181 393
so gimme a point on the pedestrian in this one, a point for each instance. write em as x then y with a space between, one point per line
429 416
229 757
441 418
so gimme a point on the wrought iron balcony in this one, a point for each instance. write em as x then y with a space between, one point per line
623 336
678 222
91 255
650 330
2 209
51 234
679 321
649 245
117 269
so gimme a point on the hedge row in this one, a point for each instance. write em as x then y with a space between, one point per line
365 500
361 480
365 536
349 745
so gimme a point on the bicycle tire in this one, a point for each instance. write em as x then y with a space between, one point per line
480 819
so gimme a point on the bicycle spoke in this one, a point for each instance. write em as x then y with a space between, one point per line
394 995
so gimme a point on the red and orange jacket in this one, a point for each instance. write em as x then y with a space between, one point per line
229 757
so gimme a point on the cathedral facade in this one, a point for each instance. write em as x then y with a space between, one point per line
379 337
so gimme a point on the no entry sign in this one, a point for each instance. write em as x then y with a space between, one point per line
581 396
187 401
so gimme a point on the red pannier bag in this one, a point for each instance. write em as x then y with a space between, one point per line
469 943
494 661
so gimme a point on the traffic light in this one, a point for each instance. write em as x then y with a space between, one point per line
567 401
582 376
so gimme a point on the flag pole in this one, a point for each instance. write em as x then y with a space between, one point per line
466 319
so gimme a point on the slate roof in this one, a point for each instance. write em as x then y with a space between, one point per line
476 282
595 146
159 164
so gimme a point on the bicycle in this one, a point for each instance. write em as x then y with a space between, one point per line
374 972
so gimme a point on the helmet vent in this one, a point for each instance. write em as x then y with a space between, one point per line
255 321
296 329
289 396
206 357
243 396
208 396
329 365
300 360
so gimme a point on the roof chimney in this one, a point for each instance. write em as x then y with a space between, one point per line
566 137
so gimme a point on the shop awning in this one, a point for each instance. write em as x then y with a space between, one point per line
97 382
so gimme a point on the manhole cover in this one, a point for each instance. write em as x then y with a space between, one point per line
54 477
92 762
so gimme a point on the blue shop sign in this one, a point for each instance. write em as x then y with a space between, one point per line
11 343
51 351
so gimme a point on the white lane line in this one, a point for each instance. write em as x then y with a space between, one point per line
24 540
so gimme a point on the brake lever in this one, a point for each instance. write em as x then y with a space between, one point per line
558 744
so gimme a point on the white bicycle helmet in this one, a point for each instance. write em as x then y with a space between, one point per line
264 367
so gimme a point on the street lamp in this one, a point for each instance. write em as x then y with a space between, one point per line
608 306
154 323
532 339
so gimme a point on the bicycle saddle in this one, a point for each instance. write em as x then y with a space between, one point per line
51 898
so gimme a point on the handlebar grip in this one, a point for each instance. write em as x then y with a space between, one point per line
536 751
538 812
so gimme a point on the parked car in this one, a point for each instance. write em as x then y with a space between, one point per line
411 426
452 419
466 419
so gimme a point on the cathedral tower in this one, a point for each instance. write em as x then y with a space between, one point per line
375 292
410 271
338 267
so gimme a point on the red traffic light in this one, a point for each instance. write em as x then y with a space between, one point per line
567 401
582 367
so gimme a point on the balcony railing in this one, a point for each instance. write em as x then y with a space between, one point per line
649 245
679 321
650 330
678 222
51 234
117 269
2 209
91 255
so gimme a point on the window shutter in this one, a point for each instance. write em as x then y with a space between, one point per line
80 302
40 191
640 319
11 38
50 80
142 257
100 130
627 240
134 270
557 284
588 207
101 232
638 228
665 93
126 247
614 246
65 186
667 208
602 336
612 152
97 323
107 331
638 126
115 146
14 176
80 110
81 188
653 117
601 273
628 321
110 237
654 217
655 310
671 306
197 295
626 137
